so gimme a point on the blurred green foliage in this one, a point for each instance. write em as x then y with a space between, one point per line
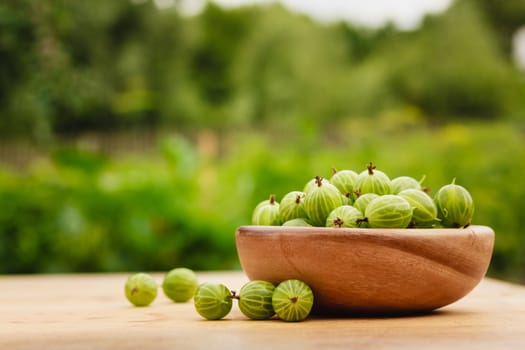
180 206
279 97
80 211
68 66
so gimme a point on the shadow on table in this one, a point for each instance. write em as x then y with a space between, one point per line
335 314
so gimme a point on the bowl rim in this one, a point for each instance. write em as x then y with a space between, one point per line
345 231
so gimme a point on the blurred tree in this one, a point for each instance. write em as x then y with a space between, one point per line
64 56
69 66
17 54
221 32
361 42
219 36
166 68
73 66
449 69
289 71
505 18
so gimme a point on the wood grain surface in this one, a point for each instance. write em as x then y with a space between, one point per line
370 270
90 312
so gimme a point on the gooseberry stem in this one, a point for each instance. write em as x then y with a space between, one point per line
272 199
360 221
338 222
319 181
371 168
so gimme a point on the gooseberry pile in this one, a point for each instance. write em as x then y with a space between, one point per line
368 199
291 300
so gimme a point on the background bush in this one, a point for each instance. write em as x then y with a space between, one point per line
80 211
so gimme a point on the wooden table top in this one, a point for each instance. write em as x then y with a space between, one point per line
90 311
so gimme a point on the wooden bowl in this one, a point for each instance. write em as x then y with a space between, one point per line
371 271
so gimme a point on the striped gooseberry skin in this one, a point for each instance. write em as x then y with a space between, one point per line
345 181
425 210
363 200
402 183
373 181
320 201
344 216
389 211
292 206
213 301
455 205
266 213
313 184
179 284
292 300
255 300
297 222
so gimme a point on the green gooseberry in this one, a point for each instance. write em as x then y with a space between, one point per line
179 284
372 180
266 213
345 181
344 216
291 206
255 300
297 222
313 184
320 201
402 183
213 301
292 300
455 205
141 289
389 211
362 201
425 210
